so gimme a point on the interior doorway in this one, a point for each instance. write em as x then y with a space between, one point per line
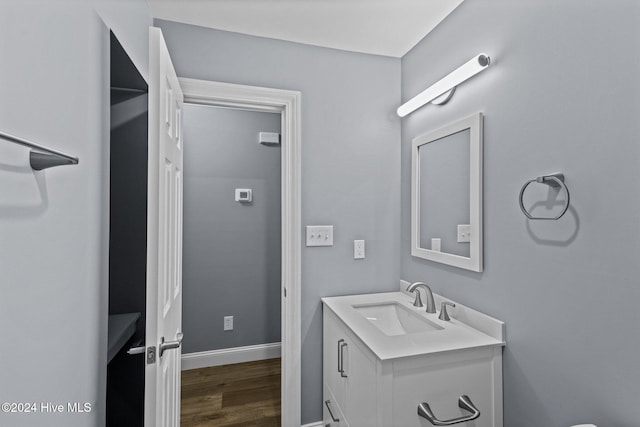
232 252
231 233
286 104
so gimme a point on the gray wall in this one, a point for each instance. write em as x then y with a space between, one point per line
350 161
231 250
54 89
562 94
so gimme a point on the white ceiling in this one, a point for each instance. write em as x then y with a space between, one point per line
382 27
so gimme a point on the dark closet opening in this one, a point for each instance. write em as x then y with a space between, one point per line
127 240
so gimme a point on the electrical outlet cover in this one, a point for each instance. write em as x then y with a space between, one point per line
228 323
464 233
358 249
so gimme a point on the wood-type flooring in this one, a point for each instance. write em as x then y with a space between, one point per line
239 395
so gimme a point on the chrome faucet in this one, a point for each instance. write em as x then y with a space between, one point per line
431 304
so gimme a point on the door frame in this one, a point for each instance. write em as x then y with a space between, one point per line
288 104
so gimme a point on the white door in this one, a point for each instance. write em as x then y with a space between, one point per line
164 240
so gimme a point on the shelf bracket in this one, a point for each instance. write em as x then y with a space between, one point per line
42 157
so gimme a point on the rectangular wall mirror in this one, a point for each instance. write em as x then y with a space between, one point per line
446 194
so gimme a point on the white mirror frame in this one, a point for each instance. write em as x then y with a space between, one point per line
474 261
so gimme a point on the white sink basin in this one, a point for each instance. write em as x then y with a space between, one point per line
391 327
394 319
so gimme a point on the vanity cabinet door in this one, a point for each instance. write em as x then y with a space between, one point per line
332 341
349 374
361 380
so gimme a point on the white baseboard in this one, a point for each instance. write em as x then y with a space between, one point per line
227 356
316 424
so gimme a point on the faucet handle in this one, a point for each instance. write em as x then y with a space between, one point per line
418 301
443 310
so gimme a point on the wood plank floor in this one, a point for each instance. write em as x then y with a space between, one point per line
239 395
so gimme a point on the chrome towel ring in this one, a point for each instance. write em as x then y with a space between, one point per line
556 179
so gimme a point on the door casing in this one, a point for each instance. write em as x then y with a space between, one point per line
288 104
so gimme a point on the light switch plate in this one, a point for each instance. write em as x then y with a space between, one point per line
319 235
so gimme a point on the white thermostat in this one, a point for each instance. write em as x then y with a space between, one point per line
243 195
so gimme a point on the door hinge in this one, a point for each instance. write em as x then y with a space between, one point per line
151 355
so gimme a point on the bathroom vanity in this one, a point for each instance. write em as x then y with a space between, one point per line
383 357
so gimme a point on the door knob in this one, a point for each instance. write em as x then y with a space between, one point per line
168 345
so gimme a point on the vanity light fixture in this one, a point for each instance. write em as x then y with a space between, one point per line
441 91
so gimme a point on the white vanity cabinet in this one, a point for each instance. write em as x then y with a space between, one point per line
367 387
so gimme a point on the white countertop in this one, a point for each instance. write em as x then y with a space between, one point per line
455 335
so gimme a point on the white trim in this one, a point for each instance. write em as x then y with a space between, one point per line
227 356
288 104
474 261
316 424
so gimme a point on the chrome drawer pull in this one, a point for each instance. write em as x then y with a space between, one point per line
339 358
342 346
463 402
334 419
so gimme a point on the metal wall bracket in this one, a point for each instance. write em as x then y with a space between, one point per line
39 161
445 97
43 157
